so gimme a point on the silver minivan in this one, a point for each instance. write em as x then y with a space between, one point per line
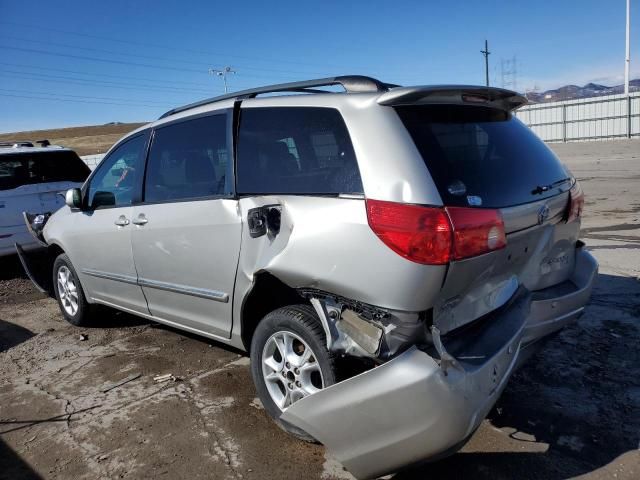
387 255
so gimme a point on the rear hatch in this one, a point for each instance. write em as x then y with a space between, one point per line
481 157
32 181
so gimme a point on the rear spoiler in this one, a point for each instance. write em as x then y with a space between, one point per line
460 94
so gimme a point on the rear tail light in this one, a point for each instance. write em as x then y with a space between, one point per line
433 235
576 202
420 234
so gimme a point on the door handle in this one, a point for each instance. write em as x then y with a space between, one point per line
141 220
122 221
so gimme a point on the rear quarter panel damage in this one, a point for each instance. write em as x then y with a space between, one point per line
325 243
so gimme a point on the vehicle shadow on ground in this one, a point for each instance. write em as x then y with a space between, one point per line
105 317
12 335
570 409
13 467
10 267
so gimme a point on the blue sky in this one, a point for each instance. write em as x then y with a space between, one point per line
68 63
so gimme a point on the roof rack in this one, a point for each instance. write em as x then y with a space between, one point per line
16 144
351 83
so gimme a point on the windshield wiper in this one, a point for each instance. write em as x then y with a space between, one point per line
544 188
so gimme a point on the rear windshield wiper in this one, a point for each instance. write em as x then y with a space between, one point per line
544 188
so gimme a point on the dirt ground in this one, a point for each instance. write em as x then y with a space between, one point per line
573 411
84 140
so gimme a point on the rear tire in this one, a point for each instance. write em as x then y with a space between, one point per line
290 360
71 300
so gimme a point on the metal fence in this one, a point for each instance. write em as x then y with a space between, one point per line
92 160
594 118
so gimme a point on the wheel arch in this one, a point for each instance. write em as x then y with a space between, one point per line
267 294
38 265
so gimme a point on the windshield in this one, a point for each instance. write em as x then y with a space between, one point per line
483 157
30 168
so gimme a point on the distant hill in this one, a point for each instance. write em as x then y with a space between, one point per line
572 92
84 140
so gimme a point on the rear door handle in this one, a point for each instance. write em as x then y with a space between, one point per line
141 220
122 221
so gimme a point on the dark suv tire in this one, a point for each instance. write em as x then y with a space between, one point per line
69 293
290 360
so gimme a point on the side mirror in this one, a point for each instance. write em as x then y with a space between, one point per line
73 198
103 199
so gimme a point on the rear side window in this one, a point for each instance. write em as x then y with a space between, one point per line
189 159
21 169
295 150
480 156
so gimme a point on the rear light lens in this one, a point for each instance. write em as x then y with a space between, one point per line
576 202
476 231
435 236
420 234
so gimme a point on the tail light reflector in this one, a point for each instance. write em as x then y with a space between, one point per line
576 202
476 231
434 235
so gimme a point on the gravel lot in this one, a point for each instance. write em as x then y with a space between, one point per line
573 411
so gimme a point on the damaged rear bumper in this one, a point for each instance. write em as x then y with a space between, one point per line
424 404
555 307
412 408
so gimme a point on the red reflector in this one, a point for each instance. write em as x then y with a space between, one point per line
476 231
420 234
576 202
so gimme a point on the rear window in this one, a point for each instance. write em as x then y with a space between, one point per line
483 157
21 169
295 150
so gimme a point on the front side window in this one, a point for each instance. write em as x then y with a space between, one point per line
118 175
295 150
189 160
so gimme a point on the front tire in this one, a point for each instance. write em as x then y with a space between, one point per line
290 360
69 293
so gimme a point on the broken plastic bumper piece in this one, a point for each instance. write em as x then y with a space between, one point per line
411 408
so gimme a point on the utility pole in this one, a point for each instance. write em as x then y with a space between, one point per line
222 73
627 59
486 54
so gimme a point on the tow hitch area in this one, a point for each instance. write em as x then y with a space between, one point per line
423 403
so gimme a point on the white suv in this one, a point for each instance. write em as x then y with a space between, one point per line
31 179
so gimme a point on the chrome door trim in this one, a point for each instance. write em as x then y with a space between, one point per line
170 287
110 276
193 291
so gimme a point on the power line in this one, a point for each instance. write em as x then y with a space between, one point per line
166 47
101 83
77 101
124 77
148 57
118 62
509 73
139 100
